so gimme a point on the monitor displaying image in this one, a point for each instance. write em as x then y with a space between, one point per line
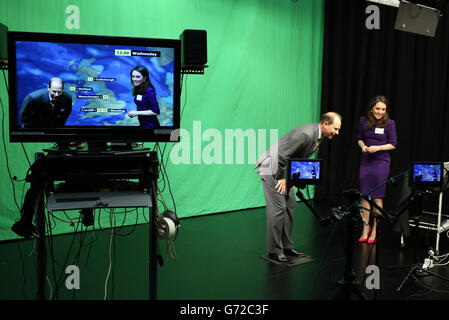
304 171
93 87
426 174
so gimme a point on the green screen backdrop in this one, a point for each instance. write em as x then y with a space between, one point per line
263 78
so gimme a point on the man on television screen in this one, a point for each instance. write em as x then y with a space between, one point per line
300 142
48 107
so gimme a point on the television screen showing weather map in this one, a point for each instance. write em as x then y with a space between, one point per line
93 85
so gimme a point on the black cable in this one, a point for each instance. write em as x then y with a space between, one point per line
4 144
326 247
419 294
161 175
53 260
26 155
161 179
22 264
6 82
375 188
116 229
81 236
181 116
93 232
113 264
12 179
164 173
6 156
162 168
145 218
77 257
185 98
169 187
162 203
59 282
133 226
426 287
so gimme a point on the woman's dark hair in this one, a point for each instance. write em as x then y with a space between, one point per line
147 83
371 120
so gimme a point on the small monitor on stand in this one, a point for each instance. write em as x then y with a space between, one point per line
426 174
302 172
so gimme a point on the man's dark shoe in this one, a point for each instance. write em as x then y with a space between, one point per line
293 253
280 257
23 229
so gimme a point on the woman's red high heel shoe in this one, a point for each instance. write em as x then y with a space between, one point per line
365 239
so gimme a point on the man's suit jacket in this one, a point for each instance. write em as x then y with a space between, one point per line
37 113
297 143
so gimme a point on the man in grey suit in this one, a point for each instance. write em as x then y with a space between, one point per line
46 108
300 142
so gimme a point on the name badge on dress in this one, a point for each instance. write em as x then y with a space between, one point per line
139 97
379 131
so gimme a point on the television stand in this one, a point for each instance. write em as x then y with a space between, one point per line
95 148
82 175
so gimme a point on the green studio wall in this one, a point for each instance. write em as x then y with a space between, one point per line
263 78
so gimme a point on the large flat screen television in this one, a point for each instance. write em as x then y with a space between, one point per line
69 87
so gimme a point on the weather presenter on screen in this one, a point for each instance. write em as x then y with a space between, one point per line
144 98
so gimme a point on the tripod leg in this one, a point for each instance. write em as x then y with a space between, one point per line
360 294
406 278
433 273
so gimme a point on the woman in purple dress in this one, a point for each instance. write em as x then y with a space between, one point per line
144 98
376 137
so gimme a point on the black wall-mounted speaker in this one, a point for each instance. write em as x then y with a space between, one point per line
193 47
3 43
